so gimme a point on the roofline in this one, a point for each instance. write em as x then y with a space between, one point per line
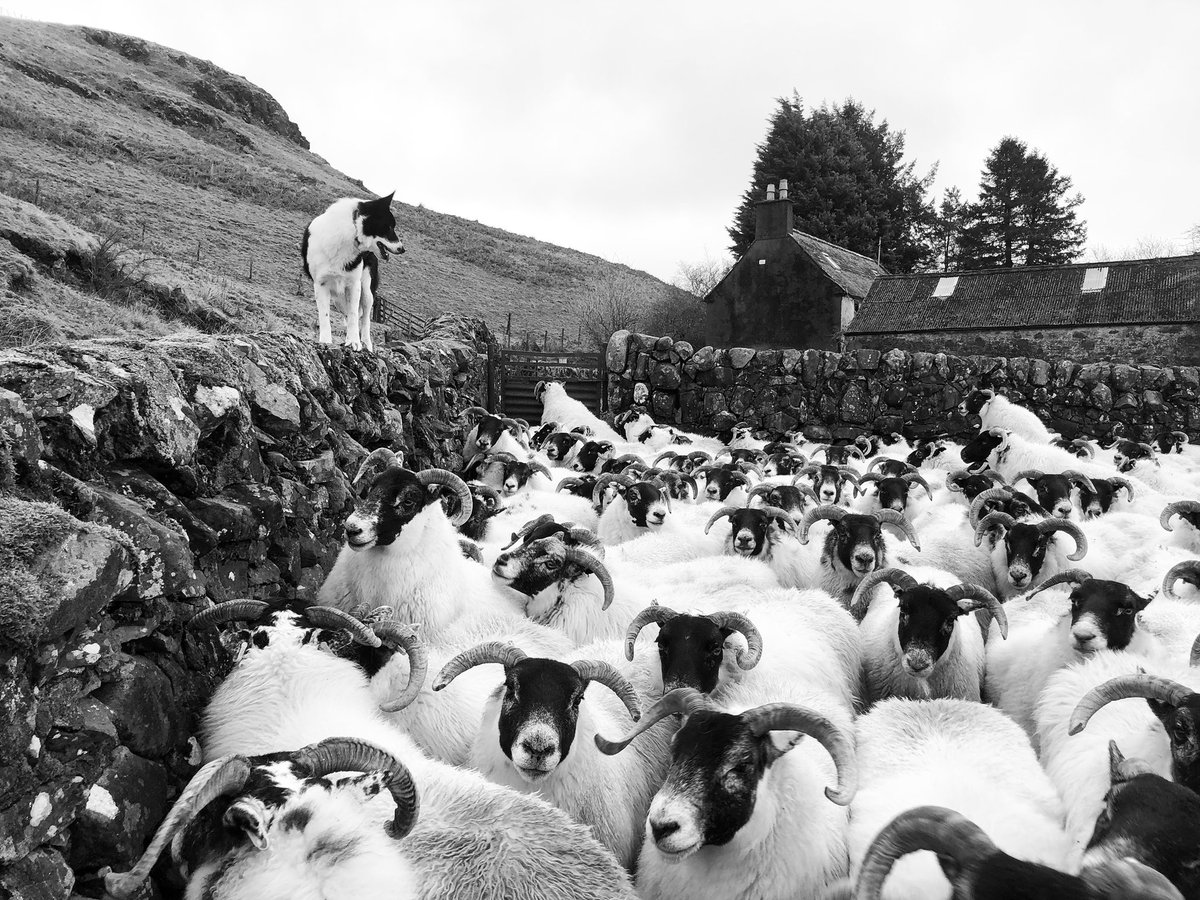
950 273
841 248
851 331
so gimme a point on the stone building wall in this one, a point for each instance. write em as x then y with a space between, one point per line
836 395
1176 344
140 480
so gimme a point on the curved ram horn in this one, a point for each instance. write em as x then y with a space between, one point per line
586 537
226 775
853 448
666 454
1001 494
759 490
971 597
343 754
1150 452
878 463
891 517
1070 576
490 495
405 637
748 658
331 617
828 511
806 472
954 480
821 448
1126 877
535 466
914 478
1180 570
1030 475
990 521
375 462
1086 446
1047 526
229 611
654 613
606 674
474 411
897 578
1079 479
719 514
791 717
947 833
1178 508
1118 482
868 478
594 566
680 701
480 655
1151 687
449 479
845 473
519 534
567 483
605 480
780 516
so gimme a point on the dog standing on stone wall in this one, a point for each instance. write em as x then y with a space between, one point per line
341 250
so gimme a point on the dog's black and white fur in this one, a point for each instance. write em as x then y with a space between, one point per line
339 251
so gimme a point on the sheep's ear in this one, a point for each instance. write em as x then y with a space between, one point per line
249 816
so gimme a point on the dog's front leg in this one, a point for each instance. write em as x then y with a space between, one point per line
352 308
324 331
364 313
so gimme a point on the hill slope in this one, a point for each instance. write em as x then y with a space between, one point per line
156 191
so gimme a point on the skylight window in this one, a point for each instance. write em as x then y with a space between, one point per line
1095 279
833 262
945 286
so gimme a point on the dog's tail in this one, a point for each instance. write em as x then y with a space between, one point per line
304 254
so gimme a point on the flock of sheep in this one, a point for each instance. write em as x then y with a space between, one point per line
596 659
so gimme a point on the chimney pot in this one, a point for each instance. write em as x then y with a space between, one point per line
783 189
770 191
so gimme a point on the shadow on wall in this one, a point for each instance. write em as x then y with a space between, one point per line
839 395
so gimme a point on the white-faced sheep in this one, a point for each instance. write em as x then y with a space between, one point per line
956 754
537 736
747 811
921 643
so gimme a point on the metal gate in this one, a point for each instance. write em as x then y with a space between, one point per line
519 371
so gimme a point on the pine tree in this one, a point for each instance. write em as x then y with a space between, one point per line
848 182
1023 216
947 228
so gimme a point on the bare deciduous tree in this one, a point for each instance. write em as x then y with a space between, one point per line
617 301
699 278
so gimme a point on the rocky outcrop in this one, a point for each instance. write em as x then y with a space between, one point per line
140 480
839 395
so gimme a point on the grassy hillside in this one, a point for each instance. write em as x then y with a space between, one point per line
144 190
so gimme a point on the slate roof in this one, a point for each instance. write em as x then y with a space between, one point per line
850 271
1149 291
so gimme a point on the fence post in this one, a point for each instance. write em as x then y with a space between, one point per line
508 332
197 252
37 191
251 268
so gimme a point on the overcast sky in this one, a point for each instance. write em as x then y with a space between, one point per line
628 129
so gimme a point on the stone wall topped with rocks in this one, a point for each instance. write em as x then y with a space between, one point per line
839 395
140 480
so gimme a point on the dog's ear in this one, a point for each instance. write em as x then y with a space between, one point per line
386 201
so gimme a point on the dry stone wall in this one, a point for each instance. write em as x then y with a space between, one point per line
138 482
839 395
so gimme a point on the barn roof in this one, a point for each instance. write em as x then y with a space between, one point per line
850 271
1148 291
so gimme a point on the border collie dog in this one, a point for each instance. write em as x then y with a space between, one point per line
340 251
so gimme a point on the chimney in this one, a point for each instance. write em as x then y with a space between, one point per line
774 217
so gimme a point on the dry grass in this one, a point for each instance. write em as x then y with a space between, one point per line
193 168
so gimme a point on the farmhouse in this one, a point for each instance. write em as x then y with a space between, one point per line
1139 311
790 289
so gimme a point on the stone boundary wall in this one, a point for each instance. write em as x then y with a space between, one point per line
140 480
838 395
